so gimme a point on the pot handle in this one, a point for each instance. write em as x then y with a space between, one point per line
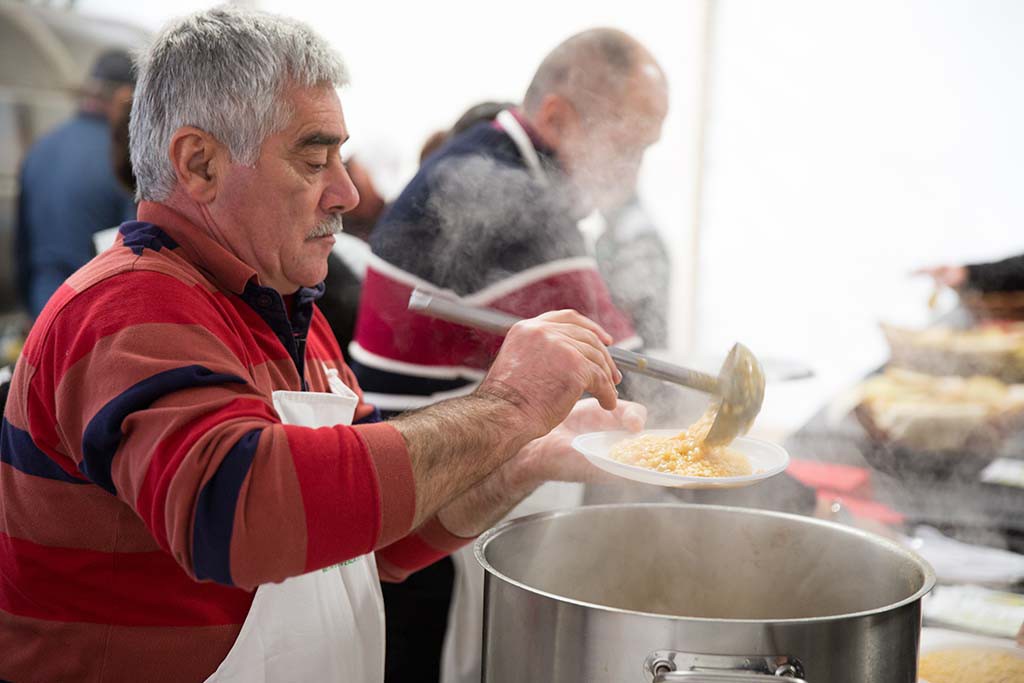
721 677
670 666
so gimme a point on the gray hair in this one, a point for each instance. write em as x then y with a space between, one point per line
224 71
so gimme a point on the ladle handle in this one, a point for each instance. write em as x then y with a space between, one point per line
659 369
484 319
499 323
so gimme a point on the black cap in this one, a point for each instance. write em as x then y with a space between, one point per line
114 66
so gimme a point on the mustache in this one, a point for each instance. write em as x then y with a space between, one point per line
331 225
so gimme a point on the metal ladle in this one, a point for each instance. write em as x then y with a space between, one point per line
739 385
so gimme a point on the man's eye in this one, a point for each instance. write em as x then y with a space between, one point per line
316 167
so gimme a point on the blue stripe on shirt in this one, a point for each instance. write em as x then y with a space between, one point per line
138 235
19 451
102 435
215 512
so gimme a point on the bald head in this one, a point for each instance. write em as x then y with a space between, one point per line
599 100
593 70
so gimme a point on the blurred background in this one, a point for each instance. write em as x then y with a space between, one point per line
814 153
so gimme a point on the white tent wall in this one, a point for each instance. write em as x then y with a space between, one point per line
848 143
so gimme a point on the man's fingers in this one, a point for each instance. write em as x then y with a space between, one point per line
602 388
585 338
573 318
634 416
595 358
589 416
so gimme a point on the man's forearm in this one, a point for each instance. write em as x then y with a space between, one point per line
484 505
455 444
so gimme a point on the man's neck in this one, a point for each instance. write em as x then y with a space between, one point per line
188 209
202 220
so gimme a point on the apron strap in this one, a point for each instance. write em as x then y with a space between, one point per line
521 139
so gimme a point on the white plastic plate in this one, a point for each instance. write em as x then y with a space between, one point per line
767 459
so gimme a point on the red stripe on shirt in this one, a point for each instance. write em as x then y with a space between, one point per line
328 463
429 544
66 584
110 306
38 650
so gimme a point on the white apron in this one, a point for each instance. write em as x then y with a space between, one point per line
327 625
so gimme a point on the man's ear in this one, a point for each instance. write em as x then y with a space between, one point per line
554 120
199 160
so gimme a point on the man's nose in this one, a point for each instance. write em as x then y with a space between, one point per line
340 194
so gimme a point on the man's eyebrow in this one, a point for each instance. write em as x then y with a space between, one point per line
318 139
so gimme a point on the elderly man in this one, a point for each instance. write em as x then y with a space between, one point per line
179 497
492 216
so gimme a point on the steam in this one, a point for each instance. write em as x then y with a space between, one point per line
500 216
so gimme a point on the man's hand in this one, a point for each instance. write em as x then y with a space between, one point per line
549 458
547 363
954 277
544 366
552 457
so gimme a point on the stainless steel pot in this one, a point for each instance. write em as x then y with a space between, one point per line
621 593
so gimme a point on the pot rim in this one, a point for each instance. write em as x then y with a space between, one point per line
479 550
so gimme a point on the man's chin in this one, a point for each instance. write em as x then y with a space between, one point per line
313 271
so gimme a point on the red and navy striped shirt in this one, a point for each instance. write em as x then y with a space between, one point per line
147 486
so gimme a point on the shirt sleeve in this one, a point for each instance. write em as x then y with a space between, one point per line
1001 276
142 386
427 545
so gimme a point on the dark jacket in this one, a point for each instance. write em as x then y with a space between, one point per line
1000 276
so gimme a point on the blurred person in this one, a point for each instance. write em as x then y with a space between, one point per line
484 111
120 148
183 494
435 141
998 276
491 217
68 173
634 262
479 113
